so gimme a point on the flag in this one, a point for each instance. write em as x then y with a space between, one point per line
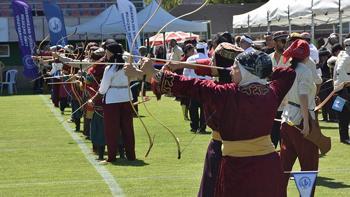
22 14
129 17
55 22
304 181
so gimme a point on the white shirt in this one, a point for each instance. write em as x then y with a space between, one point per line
314 53
176 53
303 85
275 64
342 68
55 68
114 85
280 61
190 73
310 64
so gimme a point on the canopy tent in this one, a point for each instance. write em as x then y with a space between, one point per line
162 17
254 18
109 22
296 12
179 36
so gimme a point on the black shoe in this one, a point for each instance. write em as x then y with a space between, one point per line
202 131
345 141
194 130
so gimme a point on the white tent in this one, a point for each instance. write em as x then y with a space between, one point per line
162 17
107 22
299 12
254 18
329 10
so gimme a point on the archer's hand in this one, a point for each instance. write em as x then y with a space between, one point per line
306 128
132 72
167 67
347 84
147 67
339 87
55 55
170 66
90 103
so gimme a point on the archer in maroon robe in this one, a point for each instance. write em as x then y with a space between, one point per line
239 113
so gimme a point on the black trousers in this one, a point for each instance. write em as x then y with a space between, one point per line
344 116
343 121
276 130
327 112
63 103
135 90
196 115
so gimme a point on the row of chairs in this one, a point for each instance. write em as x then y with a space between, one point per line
10 81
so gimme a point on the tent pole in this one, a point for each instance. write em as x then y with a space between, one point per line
268 21
164 45
340 23
312 22
249 30
333 28
289 22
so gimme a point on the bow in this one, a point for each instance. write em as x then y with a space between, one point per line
142 88
130 60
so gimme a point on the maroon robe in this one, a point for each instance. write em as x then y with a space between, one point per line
238 113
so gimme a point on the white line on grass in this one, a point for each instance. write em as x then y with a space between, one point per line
106 175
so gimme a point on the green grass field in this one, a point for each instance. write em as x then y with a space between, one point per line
39 158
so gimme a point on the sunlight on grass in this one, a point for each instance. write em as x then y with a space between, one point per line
39 158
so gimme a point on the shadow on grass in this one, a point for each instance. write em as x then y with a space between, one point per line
125 162
328 127
204 133
141 116
330 183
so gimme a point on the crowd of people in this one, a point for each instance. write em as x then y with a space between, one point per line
251 97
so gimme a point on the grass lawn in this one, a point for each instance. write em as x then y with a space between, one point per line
39 158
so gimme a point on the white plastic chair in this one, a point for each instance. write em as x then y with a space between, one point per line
10 81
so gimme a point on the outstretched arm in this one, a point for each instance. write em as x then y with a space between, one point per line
164 82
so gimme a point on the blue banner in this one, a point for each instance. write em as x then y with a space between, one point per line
22 14
305 181
55 22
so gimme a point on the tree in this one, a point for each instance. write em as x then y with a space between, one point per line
167 4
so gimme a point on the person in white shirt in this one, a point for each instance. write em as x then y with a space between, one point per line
297 112
117 110
279 40
197 119
313 50
342 75
175 51
246 43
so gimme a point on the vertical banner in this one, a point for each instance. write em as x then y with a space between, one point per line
305 181
22 14
55 22
130 23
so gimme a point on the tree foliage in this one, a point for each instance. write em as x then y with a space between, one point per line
167 4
